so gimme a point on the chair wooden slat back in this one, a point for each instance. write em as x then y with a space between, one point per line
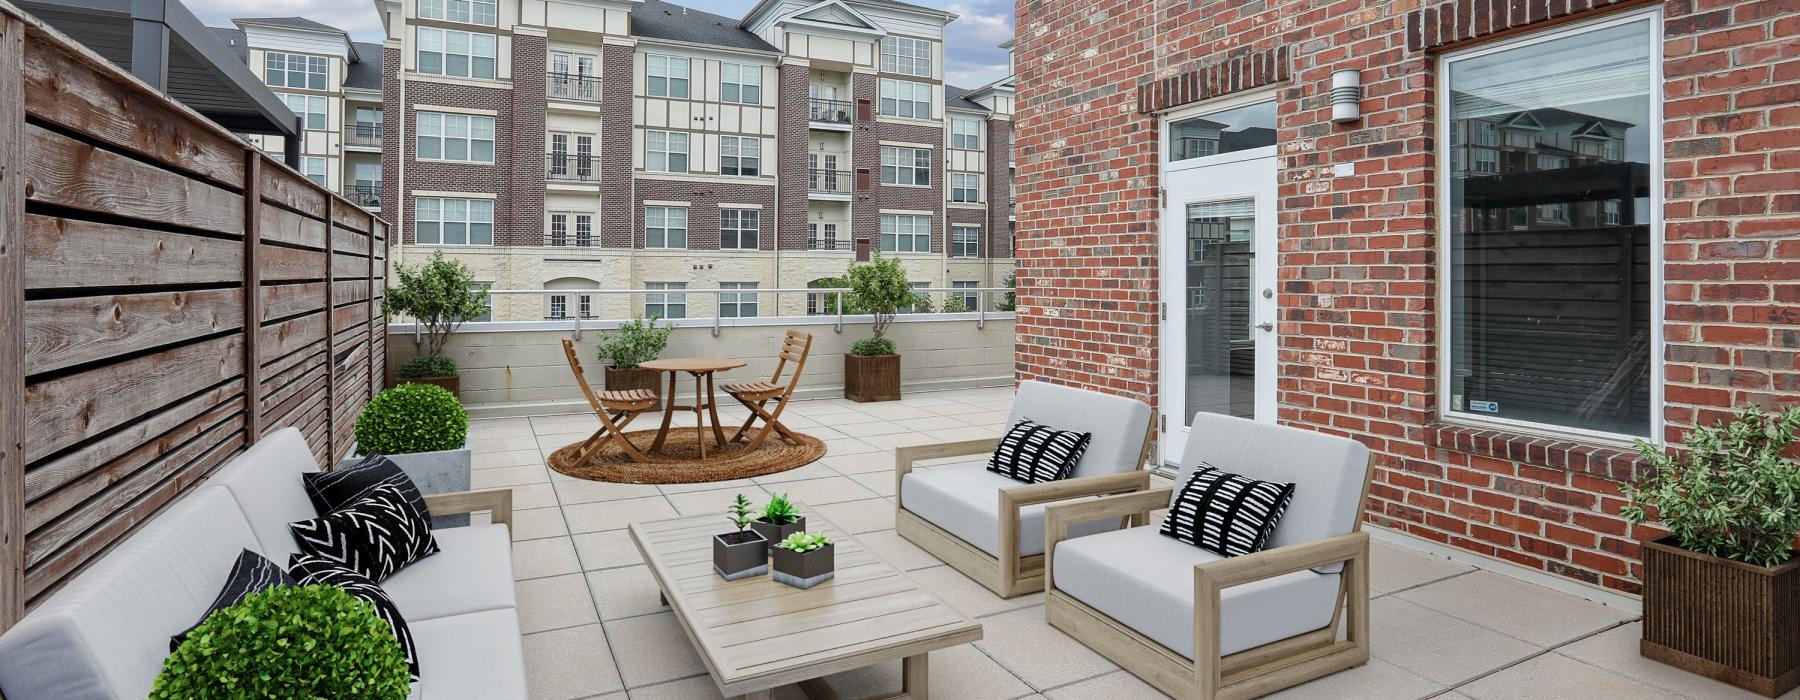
796 347
581 376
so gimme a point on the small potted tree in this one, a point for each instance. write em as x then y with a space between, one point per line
1722 590
780 518
635 342
425 431
740 554
439 295
804 559
872 368
288 642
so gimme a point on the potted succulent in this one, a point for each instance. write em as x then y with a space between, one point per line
780 518
740 554
878 288
288 641
425 431
439 295
1723 588
804 559
635 342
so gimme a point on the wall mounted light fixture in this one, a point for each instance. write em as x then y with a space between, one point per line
1346 96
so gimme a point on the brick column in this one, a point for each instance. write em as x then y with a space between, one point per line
996 236
393 144
790 229
617 214
865 152
523 200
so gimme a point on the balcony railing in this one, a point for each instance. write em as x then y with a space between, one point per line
363 134
578 167
830 181
830 243
829 111
572 86
364 194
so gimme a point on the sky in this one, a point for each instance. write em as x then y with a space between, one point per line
974 56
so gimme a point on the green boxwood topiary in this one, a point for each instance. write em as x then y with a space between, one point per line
314 642
869 347
423 366
411 418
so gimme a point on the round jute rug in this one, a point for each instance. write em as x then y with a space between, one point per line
678 460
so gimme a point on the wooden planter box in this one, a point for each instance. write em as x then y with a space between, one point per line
451 383
871 378
634 378
1723 619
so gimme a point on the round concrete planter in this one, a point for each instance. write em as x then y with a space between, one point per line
443 471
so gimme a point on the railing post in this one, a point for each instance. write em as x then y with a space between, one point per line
332 453
252 297
981 309
12 315
718 308
839 303
577 323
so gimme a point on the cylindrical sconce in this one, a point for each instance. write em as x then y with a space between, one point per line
1346 96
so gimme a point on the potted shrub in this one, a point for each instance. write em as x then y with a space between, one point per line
804 559
288 642
872 368
780 518
439 295
425 431
635 342
1722 590
740 554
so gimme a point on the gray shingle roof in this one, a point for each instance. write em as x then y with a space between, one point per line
957 98
232 39
290 23
656 19
366 72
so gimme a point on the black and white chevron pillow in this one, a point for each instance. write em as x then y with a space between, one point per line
340 487
1225 513
377 536
251 572
1033 453
310 570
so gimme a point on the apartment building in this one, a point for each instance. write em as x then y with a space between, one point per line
611 144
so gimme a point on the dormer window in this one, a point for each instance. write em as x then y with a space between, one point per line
906 56
294 71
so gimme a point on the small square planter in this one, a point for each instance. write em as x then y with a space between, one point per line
451 383
444 471
871 378
776 533
738 555
1727 620
634 378
805 570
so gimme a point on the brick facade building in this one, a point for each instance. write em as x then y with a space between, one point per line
1501 408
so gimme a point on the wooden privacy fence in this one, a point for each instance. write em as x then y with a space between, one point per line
169 294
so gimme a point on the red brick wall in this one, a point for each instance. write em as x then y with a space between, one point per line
1357 253
523 201
703 200
997 234
390 148
618 225
496 179
929 199
790 147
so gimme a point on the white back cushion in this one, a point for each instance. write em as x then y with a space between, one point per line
106 633
1118 423
265 480
1327 471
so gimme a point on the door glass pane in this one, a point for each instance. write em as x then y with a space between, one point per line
1250 126
1221 349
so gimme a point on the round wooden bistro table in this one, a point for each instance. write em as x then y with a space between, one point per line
702 369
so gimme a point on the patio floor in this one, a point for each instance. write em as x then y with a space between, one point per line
593 626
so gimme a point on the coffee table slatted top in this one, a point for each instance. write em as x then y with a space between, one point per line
756 634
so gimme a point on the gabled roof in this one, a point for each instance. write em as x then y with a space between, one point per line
764 6
364 73
656 19
838 13
958 98
234 40
300 23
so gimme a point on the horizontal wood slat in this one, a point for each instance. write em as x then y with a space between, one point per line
62 171
67 332
74 253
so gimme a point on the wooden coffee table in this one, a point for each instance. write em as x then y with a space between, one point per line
756 635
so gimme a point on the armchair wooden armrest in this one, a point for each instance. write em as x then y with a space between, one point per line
1014 498
498 502
1058 518
905 457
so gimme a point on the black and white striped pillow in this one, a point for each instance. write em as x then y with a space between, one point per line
377 536
251 572
309 570
340 487
1225 513
1033 453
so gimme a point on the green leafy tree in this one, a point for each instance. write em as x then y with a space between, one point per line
879 288
1732 493
955 305
1010 302
440 294
637 341
301 642
411 418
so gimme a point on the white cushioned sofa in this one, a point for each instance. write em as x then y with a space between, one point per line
105 634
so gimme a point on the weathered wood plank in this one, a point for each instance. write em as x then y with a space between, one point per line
70 331
282 264
67 410
252 296
169 449
284 300
289 336
277 224
12 312
279 184
351 216
62 171
350 316
51 475
282 364
349 291
73 253
348 267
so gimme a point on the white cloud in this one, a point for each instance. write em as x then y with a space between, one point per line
980 23
357 17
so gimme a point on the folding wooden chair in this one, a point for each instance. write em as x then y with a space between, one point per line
622 405
756 395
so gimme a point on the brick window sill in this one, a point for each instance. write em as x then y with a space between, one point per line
1605 461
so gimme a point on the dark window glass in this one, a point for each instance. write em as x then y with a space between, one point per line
1250 126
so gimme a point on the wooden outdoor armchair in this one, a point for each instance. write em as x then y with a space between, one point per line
1254 624
615 409
795 348
989 527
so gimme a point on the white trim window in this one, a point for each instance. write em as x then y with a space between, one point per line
453 221
466 11
906 56
738 229
905 98
740 83
665 227
965 188
965 242
739 304
310 109
905 233
666 151
559 230
905 166
571 156
665 76
562 224
663 304
313 167
559 305
292 70
740 155
965 133
465 138
1550 322
456 53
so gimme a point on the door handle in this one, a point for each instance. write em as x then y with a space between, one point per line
1264 326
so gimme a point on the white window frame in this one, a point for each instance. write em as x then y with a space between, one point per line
556 234
445 128
665 300
740 156
970 141
739 302
905 55
971 299
917 233
665 236
664 68
895 160
313 167
970 248
746 78
662 157
477 47
310 108
482 12
905 98
313 70
559 307
740 232
476 213
965 182
1654 431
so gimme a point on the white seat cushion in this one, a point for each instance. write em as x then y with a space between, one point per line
1146 582
265 480
471 572
1117 423
475 655
965 501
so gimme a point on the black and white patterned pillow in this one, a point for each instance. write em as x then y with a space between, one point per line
1226 514
251 572
309 570
377 536
1033 453
335 489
